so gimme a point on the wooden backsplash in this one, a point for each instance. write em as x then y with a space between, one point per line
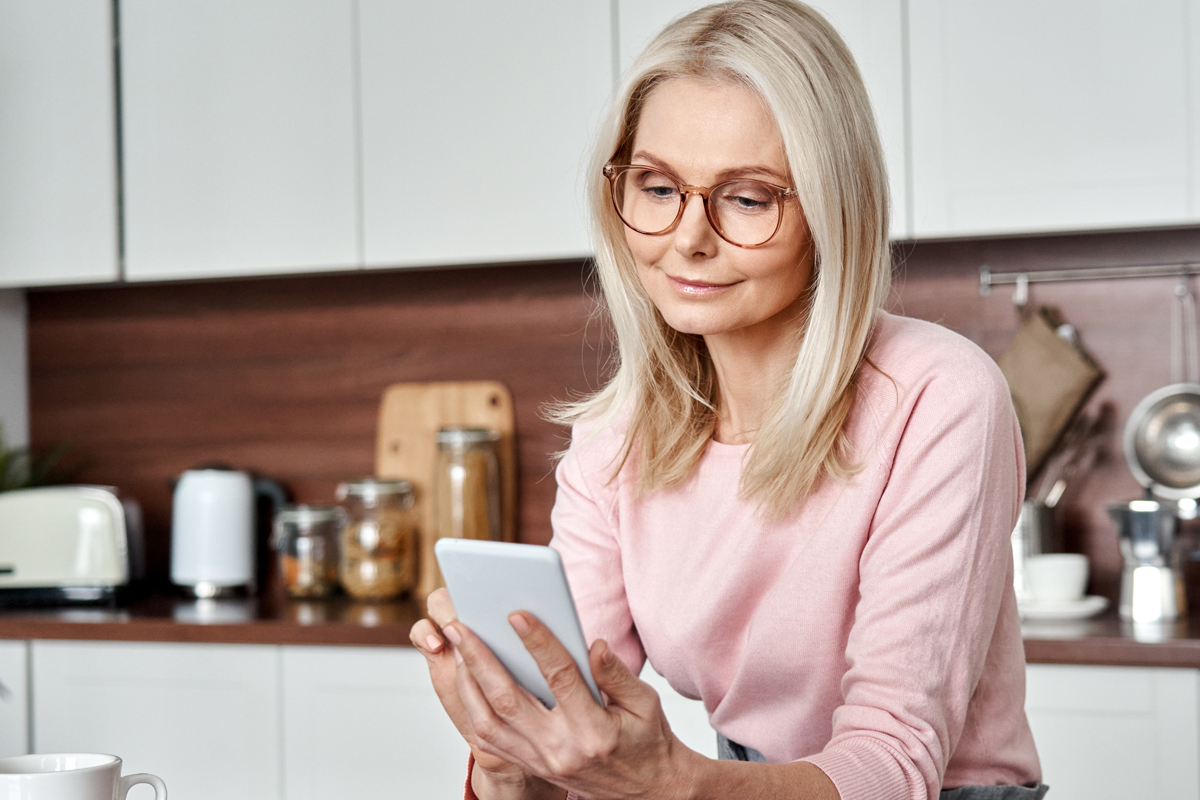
283 376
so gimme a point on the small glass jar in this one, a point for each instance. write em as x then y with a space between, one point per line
379 538
305 541
467 482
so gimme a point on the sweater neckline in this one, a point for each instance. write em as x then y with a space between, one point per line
723 450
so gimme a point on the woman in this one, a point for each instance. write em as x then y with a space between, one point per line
796 505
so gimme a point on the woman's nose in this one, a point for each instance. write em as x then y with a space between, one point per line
694 236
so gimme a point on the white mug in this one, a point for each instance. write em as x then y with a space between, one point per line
70 776
1056 577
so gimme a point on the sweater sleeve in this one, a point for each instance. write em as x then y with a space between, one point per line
584 520
933 575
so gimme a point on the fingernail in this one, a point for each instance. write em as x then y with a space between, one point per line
433 643
607 656
457 656
453 635
519 623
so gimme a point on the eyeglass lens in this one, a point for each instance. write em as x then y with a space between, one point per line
745 212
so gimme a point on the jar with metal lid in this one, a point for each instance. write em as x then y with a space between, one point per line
467 484
305 541
379 538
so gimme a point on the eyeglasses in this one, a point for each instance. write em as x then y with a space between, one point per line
745 213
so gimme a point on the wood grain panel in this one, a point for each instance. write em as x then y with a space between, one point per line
1125 324
284 375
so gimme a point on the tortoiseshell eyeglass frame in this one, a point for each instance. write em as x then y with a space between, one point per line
781 193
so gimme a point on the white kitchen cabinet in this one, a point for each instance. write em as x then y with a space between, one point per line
203 717
1031 115
58 151
239 137
1116 732
476 119
365 722
14 699
873 31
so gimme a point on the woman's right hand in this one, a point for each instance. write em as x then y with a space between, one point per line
427 637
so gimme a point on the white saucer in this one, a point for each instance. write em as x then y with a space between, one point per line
1070 609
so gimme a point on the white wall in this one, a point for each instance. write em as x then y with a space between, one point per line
14 368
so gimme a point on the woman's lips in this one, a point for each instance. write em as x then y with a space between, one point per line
697 288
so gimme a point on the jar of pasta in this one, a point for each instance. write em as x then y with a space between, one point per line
305 542
467 484
379 538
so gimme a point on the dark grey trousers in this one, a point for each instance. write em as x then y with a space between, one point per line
732 751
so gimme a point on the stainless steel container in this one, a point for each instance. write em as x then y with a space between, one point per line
1037 532
1152 587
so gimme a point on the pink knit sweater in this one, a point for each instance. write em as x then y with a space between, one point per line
874 630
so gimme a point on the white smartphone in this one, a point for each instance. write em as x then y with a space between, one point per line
490 580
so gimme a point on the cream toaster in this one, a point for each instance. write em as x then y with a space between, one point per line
62 544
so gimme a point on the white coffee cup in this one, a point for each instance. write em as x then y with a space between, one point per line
70 776
1056 577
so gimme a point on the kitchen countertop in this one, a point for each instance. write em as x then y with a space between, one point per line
1107 640
263 620
343 621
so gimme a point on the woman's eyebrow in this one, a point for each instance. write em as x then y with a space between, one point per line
722 176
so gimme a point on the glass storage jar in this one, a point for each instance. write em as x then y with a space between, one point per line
379 538
467 483
305 542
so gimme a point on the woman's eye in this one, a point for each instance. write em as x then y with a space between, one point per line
747 198
749 202
656 186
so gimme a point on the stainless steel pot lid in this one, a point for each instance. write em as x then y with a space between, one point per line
1162 441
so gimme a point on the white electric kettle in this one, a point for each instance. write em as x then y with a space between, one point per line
213 531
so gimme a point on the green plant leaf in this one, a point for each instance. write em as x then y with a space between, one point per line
41 471
19 470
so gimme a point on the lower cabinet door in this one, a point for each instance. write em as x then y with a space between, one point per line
203 717
1116 732
365 722
14 699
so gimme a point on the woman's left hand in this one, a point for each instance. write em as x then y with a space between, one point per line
626 750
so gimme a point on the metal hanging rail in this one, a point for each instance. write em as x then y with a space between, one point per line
988 279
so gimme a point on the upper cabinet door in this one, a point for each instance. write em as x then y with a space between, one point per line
873 31
1030 115
476 121
58 152
239 137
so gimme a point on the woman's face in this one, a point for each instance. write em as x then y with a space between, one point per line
704 133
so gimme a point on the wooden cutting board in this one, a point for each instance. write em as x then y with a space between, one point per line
405 447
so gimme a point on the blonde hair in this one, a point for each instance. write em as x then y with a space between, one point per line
665 384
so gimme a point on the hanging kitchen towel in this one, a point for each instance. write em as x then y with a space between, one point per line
1050 379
